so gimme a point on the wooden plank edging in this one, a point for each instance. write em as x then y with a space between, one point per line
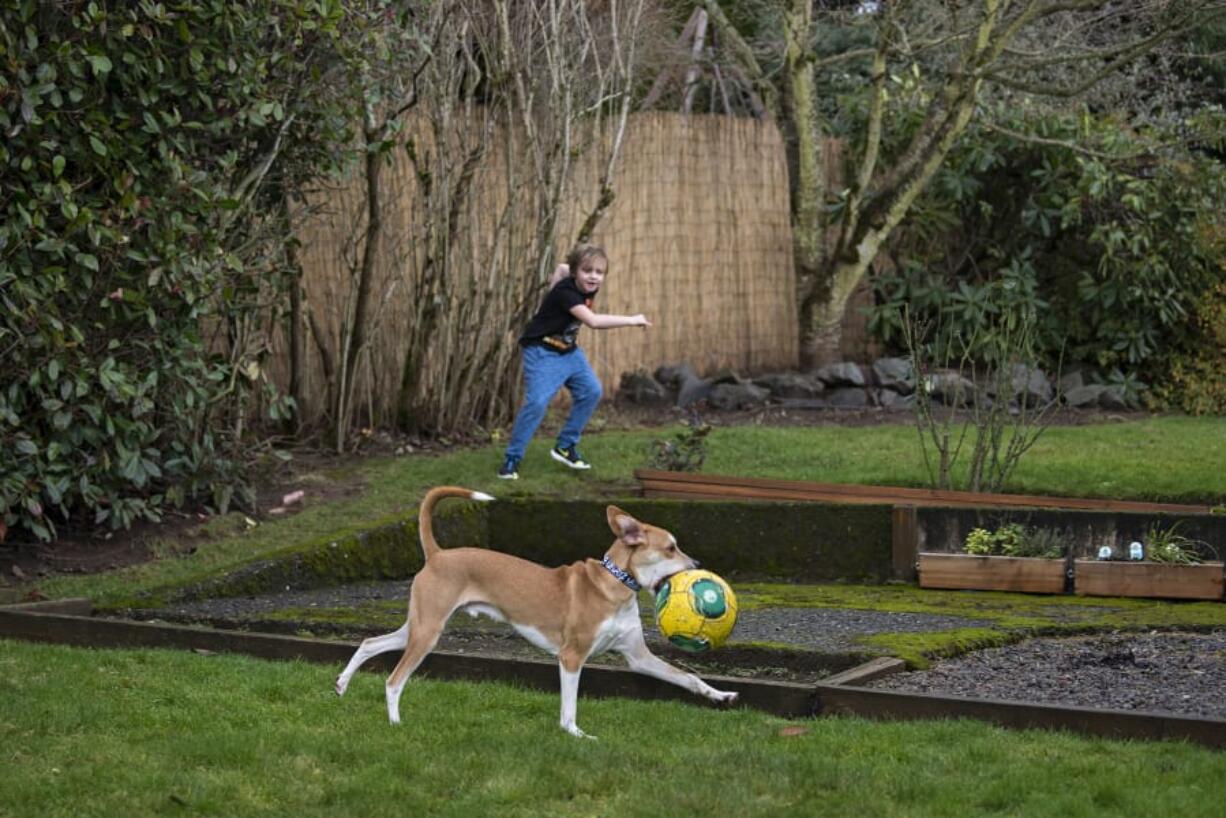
786 699
838 695
687 484
890 705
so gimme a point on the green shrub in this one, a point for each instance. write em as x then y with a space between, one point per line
1098 231
1196 381
1016 540
687 451
134 259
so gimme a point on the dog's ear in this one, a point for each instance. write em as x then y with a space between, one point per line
626 528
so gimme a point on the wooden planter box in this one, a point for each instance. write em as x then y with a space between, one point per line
965 571
1148 579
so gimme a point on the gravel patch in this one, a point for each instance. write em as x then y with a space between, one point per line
837 630
1182 673
247 607
828 630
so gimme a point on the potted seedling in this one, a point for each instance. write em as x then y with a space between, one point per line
1011 558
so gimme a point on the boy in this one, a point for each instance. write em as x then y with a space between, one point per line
552 359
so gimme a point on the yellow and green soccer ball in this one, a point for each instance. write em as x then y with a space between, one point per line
695 610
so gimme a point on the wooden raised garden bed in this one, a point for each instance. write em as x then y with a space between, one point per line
1148 579
980 573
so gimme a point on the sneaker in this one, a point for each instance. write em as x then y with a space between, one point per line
569 457
509 469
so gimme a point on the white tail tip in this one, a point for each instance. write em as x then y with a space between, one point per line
482 496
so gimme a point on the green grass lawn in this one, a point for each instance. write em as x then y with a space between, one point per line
136 733
1161 458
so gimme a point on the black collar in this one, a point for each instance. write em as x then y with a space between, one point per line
622 576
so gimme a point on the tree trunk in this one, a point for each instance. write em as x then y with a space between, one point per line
353 346
370 252
296 319
809 188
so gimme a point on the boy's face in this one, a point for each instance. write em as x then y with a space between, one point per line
591 274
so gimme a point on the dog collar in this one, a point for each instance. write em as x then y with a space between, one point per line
622 576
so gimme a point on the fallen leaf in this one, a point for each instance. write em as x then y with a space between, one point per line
277 510
793 730
17 572
293 497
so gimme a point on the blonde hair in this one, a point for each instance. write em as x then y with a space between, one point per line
581 253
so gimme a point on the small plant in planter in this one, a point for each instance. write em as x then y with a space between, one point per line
1011 558
1014 540
1173 569
1170 547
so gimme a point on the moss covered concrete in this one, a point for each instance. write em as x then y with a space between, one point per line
387 550
799 541
805 542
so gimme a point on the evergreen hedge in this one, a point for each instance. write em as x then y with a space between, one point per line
136 139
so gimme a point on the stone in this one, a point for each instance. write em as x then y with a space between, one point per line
641 388
847 397
896 374
726 375
803 403
841 374
674 375
1083 396
1113 397
737 396
950 388
893 401
1071 380
692 390
790 385
1031 384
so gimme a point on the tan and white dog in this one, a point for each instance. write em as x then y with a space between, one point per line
574 611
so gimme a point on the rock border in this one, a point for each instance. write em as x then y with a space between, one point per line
886 383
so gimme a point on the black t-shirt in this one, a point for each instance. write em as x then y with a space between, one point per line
553 326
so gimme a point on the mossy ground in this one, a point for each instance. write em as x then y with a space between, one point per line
1013 616
1010 617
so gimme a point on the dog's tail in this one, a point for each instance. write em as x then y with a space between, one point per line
425 517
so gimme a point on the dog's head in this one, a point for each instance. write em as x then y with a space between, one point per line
653 555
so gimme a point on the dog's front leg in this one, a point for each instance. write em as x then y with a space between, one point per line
569 666
642 660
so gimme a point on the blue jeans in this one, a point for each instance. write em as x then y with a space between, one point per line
545 372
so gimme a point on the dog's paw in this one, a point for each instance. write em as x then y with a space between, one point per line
725 697
341 685
574 730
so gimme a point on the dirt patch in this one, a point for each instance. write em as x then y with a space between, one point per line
88 549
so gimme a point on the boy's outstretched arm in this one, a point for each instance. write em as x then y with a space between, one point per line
597 320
